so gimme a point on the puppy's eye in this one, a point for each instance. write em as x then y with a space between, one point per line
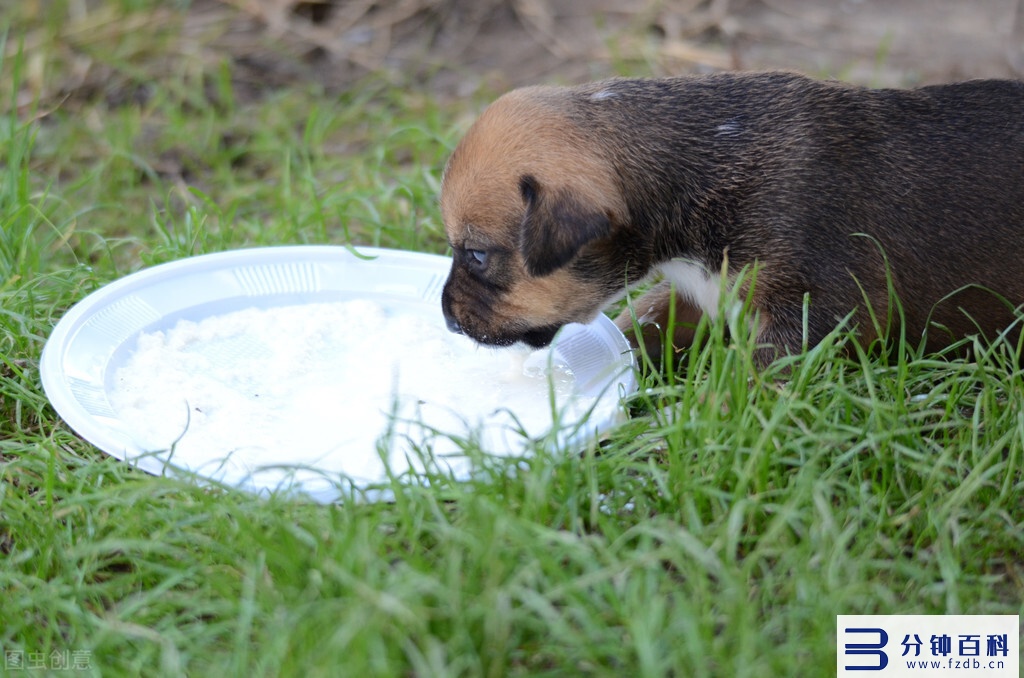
477 258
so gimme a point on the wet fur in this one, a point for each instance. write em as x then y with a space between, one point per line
573 194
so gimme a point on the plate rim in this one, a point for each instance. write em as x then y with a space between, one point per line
56 382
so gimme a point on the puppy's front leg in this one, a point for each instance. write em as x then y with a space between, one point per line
652 312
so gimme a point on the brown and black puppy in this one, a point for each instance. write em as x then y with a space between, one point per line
557 199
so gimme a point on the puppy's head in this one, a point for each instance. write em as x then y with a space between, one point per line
531 210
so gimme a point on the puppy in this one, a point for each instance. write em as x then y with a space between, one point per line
559 199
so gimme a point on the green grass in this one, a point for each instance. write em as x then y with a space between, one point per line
718 533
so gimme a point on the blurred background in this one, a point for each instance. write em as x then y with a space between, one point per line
455 48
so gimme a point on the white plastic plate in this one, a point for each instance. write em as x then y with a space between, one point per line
96 338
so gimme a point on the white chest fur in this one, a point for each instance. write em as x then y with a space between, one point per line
695 283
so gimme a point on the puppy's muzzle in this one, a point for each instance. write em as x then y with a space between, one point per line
536 337
446 309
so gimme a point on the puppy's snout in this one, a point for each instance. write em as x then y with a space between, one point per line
446 309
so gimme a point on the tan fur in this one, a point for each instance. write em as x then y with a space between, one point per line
523 129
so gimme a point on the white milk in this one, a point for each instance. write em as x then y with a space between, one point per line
316 384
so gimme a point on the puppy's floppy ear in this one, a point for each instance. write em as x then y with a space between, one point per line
557 224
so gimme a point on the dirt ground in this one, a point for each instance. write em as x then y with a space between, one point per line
458 46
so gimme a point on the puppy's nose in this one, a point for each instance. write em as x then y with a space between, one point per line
453 324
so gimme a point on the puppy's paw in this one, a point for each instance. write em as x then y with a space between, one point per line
646 321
